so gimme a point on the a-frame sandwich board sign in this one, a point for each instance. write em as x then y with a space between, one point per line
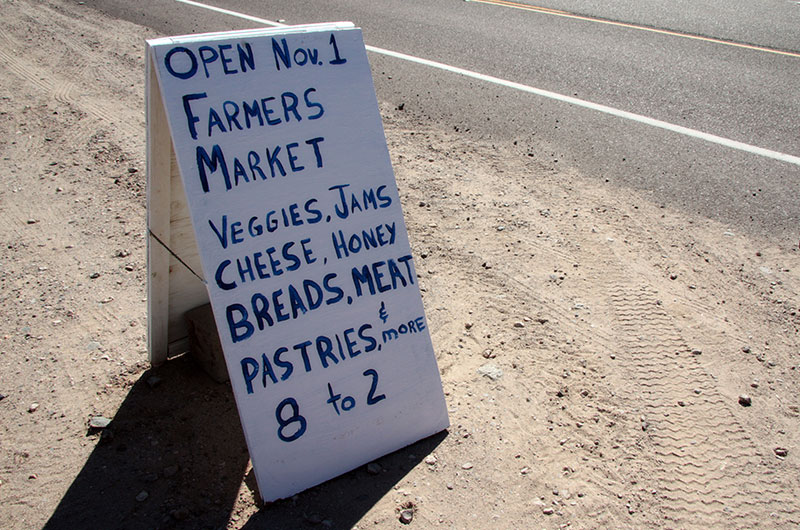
296 221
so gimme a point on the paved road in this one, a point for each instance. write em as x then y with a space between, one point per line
772 23
745 94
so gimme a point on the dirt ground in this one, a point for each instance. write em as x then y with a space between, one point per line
625 333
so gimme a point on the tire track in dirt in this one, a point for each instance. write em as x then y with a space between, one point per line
710 472
64 91
18 67
70 86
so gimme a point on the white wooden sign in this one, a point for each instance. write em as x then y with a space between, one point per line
303 247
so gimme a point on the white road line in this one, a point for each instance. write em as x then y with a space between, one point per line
233 13
727 142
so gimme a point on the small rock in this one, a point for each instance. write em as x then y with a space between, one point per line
33 407
406 516
467 465
488 353
519 324
746 349
468 325
99 422
32 221
430 460
374 468
548 511
673 276
142 496
525 471
492 371
781 452
745 400
94 275
697 352
2 397
449 485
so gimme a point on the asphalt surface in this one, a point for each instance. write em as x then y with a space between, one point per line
763 22
744 94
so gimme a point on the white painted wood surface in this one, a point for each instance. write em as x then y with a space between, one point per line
302 244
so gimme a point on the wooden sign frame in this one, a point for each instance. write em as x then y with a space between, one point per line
174 273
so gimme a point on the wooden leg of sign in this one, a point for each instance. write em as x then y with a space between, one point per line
159 147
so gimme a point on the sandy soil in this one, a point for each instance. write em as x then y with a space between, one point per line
625 333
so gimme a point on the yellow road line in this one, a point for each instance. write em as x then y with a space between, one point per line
556 12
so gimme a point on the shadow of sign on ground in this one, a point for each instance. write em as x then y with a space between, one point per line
174 457
179 441
342 502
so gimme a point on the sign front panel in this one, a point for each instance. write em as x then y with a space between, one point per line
304 249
